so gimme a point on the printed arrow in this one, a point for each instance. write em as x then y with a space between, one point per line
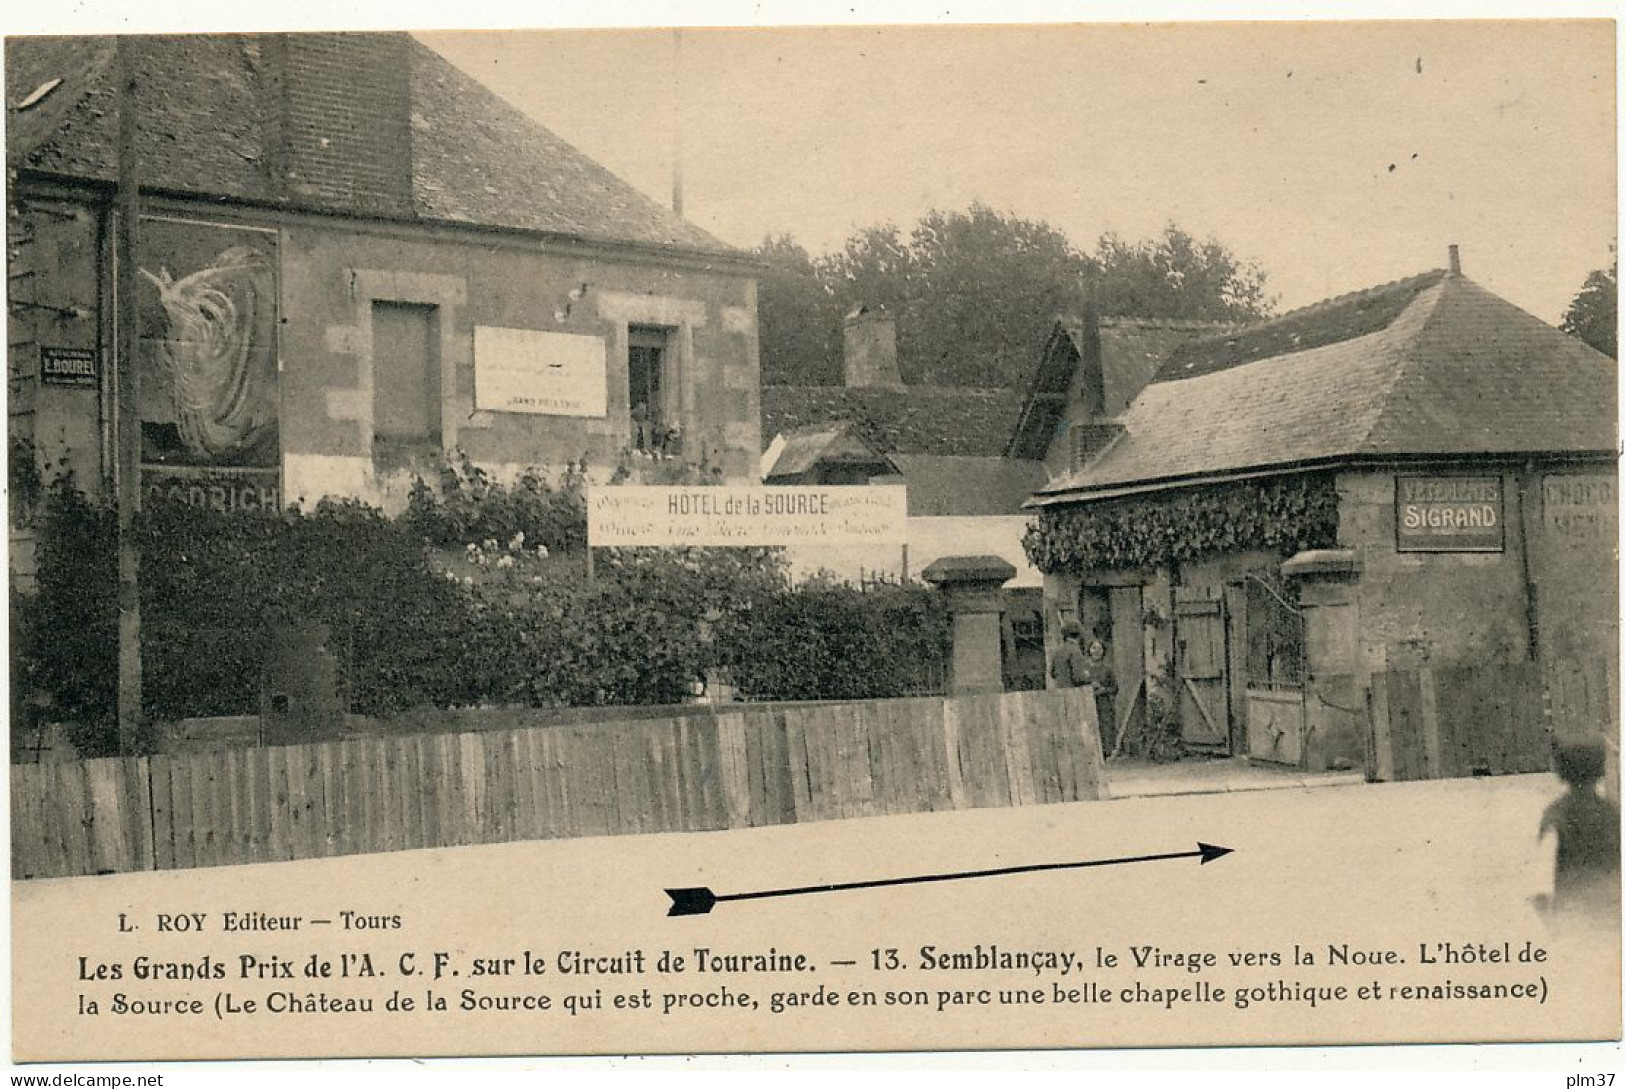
700 901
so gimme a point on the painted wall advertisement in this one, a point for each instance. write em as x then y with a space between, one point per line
630 516
548 374
209 390
1580 507
1449 514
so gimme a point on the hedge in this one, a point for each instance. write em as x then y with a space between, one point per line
504 618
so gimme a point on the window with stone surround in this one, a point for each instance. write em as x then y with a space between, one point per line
406 387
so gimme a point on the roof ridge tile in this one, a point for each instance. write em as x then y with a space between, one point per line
1420 310
1330 321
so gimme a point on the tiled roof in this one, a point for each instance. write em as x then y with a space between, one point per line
1455 370
1330 321
78 63
941 486
199 120
480 160
476 159
806 447
911 420
1129 350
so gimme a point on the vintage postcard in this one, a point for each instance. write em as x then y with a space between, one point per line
812 539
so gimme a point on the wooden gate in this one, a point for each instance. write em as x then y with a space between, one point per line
1443 722
1271 646
1200 667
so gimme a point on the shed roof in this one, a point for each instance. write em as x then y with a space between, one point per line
1430 366
940 420
806 447
949 486
475 158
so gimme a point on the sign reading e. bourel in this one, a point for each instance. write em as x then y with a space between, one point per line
1449 514
746 516
547 374
73 368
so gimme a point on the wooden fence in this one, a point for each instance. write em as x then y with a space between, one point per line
744 768
1449 722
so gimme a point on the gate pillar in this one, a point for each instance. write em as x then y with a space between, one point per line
971 586
1335 681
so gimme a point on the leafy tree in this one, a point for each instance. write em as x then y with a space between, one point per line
498 622
798 317
973 293
1178 276
65 635
1593 316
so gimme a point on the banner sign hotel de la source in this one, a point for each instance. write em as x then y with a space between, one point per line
559 374
745 516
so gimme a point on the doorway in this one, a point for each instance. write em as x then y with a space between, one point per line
406 419
1201 668
647 350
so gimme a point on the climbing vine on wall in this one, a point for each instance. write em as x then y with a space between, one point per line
1286 514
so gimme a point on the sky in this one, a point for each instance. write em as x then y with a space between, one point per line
1333 155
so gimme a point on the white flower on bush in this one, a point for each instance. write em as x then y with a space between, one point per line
490 544
517 542
505 562
541 552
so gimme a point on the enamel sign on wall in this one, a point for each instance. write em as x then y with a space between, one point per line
1449 514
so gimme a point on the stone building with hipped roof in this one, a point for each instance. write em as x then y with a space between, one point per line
1419 476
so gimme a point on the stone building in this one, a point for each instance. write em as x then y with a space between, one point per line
1415 476
353 257
970 458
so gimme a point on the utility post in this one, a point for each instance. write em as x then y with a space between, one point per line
127 402
677 122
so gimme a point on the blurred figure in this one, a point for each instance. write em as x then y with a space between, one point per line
1587 829
1069 668
1074 667
1098 673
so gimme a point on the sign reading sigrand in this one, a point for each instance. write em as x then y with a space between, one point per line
1449 514
756 516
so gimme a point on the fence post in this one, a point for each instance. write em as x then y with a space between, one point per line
733 769
950 741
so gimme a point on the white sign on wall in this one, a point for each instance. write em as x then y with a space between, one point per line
630 516
550 374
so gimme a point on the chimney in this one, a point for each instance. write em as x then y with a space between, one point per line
1089 440
1455 259
339 120
869 341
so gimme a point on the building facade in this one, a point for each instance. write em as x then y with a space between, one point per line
353 258
1415 477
